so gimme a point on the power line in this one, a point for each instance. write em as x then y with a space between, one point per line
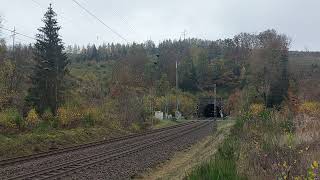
115 32
18 33
36 2
124 20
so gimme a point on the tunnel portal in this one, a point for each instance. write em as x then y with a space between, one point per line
209 111
206 108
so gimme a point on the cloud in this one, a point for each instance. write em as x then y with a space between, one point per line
140 20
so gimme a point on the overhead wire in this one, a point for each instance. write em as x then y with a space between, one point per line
98 19
18 33
85 9
124 20
36 2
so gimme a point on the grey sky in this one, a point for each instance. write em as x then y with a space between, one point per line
140 20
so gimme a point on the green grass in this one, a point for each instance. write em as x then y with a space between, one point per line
165 123
40 140
215 169
223 164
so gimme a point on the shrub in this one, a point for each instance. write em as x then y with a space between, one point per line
47 116
265 115
10 118
63 116
310 108
256 109
90 116
135 127
288 126
32 118
70 115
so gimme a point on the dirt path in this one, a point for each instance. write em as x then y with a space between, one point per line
183 162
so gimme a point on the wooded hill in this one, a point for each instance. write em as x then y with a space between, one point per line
98 81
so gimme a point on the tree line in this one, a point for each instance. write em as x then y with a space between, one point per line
139 70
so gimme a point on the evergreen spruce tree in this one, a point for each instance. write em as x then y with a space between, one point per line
51 66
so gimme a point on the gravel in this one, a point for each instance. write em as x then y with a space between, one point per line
123 168
131 165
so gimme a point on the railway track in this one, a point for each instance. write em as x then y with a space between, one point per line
20 159
64 169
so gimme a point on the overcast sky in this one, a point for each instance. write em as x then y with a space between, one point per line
140 20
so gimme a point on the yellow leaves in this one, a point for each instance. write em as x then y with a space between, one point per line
313 171
298 178
315 165
256 109
310 108
62 116
32 117
73 114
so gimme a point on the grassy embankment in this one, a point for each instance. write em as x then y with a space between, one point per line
268 144
221 164
164 123
39 140
184 162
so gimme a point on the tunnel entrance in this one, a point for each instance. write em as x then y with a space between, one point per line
206 105
209 111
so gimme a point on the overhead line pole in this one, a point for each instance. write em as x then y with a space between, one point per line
177 87
13 41
17 33
215 101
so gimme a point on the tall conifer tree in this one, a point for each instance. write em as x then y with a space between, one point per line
51 66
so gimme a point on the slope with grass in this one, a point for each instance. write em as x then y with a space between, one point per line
183 162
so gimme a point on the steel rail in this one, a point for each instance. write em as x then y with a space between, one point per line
65 168
21 159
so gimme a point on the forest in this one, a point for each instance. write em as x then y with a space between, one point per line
48 87
123 75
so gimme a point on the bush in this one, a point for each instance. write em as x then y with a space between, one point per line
265 115
256 109
72 116
288 126
10 119
32 118
47 116
91 116
135 127
310 108
62 116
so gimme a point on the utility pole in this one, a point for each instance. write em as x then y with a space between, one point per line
184 34
13 41
177 87
215 100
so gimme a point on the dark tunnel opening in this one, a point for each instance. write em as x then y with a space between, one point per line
209 111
